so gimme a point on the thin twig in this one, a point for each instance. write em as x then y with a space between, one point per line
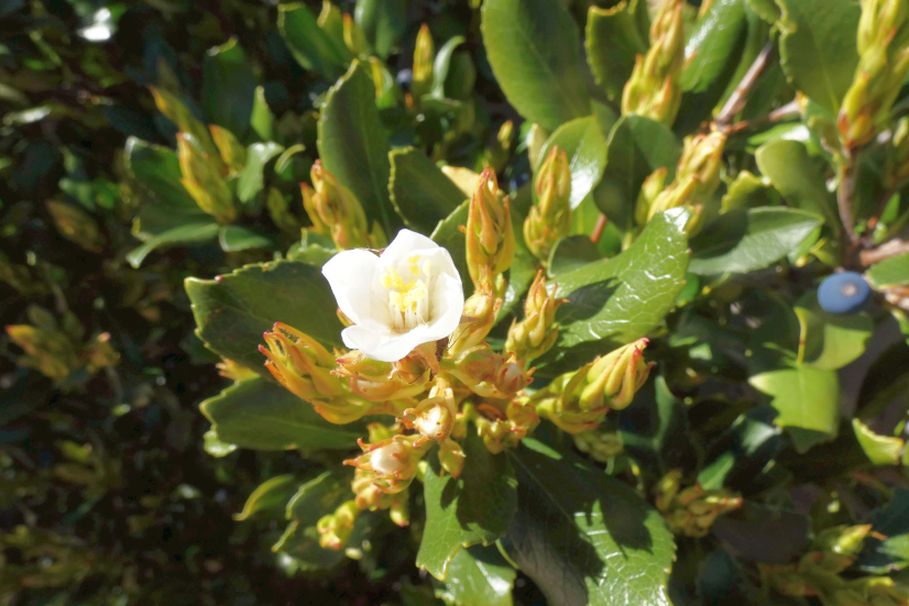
780 114
845 195
884 251
597 232
739 96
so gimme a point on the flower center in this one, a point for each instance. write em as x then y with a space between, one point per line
408 293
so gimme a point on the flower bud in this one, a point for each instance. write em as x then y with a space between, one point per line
490 237
335 528
845 540
76 225
616 377
354 37
653 89
883 46
479 316
48 351
423 56
203 179
501 430
537 332
381 381
488 374
692 511
232 153
335 210
651 189
304 367
498 153
601 445
434 417
451 457
549 219
391 464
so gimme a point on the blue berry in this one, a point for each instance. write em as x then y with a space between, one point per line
843 293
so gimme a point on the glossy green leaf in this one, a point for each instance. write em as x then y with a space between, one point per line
250 181
165 204
831 341
269 495
636 146
807 400
571 253
797 178
478 575
742 240
818 47
612 302
890 272
234 238
190 233
448 235
310 46
353 144
712 44
262 415
880 450
420 191
233 310
887 382
612 40
768 10
382 21
474 509
584 537
228 87
584 143
533 47
743 451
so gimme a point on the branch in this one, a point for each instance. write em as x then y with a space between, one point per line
844 196
739 96
884 251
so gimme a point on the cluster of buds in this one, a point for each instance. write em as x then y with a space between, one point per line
819 573
578 401
533 336
696 180
502 427
57 349
693 510
883 46
335 211
203 176
601 445
487 373
489 235
653 90
549 219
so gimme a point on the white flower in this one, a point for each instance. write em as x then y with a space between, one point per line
409 295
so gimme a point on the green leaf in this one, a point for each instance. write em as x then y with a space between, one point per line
383 22
746 450
712 44
262 415
768 10
743 240
886 383
613 40
479 575
475 508
880 450
441 66
797 178
191 233
234 238
818 47
615 301
890 272
584 143
269 495
228 87
533 47
635 148
233 310
262 120
655 429
831 341
887 549
807 400
448 235
419 190
165 203
571 253
353 143
583 537
309 45
250 181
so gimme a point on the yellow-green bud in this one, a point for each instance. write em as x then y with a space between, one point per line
488 374
48 351
76 225
602 446
334 528
691 511
354 37
653 89
896 167
497 154
232 153
549 219
537 332
451 457
846 540
423 55
883 45
477 320
378 381
335 210
304 367
203 179
392 463
490 239
501 430
651 189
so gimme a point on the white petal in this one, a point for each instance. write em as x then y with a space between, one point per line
405 243
385 346
350 276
